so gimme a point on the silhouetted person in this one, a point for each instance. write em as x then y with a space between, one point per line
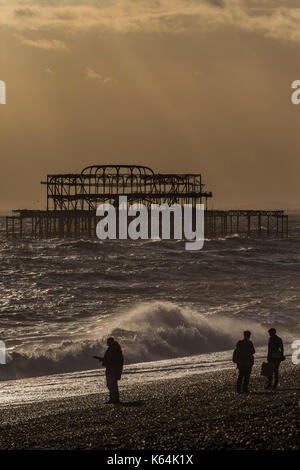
243 357
275 356
113 361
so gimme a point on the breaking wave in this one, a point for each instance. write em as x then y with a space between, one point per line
148 332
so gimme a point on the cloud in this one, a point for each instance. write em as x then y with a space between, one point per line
49 71
93 75
217 3
266 17
50 44
22 12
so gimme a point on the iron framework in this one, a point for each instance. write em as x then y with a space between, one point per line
72 200
105 183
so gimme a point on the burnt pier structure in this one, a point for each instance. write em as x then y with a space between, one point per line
72 200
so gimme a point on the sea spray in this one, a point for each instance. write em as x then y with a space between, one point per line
147 332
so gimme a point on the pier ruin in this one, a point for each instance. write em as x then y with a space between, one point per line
72 200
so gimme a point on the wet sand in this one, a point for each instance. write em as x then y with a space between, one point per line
199 412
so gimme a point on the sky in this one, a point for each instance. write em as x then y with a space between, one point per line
183 86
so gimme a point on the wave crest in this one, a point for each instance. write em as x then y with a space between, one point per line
148 332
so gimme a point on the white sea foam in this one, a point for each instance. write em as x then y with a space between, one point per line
148 332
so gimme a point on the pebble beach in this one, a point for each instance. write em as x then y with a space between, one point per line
197 412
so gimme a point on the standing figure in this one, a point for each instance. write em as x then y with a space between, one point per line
113 362
243 357
275 356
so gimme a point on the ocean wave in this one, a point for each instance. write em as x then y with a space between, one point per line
148 332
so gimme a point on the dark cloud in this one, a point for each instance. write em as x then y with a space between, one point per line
217 3
25 12
65 16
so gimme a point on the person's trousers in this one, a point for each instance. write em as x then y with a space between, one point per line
275 374
112 384
243 378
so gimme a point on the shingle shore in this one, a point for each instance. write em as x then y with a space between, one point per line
194 412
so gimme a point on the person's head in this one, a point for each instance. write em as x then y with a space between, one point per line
272 332
110 341
247 334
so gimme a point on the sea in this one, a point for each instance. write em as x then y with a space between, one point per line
174 312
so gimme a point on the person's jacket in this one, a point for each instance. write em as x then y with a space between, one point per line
244 352
275 349
113 359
